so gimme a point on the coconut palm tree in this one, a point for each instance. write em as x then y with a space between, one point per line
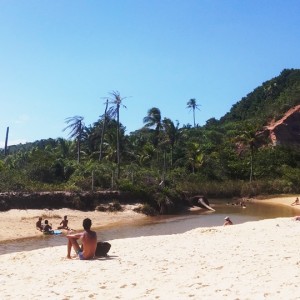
153 119
249 139
192 105
195 157
171 134
114 111
6 140
103 130
76 127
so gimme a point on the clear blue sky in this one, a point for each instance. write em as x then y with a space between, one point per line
60 58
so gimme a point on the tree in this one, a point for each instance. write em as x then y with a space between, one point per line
249 138
103 130
171 134
194 155
153 119
114 111
76 127
192 105
6 140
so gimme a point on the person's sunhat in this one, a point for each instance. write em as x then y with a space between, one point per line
226 218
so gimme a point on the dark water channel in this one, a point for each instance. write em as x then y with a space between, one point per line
163 225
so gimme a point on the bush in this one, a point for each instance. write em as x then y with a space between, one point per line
146 209
115 206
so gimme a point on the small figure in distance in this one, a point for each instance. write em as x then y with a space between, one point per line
88 239
296 202
47 228
39 225
297 218
64 224
227 221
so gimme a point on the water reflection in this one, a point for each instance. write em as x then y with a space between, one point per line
162 225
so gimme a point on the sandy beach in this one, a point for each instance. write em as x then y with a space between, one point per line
254 260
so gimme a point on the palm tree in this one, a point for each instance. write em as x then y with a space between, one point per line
171 134
248 138
63 148
76 127
192 104
153 119
194 155
251 140
113 111
103 130
6 140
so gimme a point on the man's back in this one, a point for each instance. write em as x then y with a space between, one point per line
89 242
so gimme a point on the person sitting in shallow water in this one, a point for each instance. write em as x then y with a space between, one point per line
296 202
47 228
227 221
39 225
64 224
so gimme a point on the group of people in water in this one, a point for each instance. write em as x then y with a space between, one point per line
47 228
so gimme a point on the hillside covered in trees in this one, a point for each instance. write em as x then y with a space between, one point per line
233 156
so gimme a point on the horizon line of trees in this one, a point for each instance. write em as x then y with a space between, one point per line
224 157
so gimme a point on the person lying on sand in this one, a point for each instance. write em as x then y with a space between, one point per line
64 224
47 228
227 221
39 225
88 239
296 202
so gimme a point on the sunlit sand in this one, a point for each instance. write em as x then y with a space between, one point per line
254 260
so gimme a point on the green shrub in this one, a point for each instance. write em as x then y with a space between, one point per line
146 209
115 206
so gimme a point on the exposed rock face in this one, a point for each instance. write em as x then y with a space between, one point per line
285 131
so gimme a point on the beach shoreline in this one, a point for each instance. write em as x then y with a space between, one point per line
18 224
253 260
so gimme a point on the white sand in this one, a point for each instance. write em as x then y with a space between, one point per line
254 260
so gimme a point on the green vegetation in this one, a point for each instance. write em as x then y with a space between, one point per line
223 158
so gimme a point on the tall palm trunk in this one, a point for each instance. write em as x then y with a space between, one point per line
103 130
78 145
6 140
171 157
118 142
251 164
194 117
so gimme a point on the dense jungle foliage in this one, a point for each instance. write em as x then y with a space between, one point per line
219 159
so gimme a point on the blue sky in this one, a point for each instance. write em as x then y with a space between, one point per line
61 58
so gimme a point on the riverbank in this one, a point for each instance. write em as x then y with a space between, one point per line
254 260
20 223
281 200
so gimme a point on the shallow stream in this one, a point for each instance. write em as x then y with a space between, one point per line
162 225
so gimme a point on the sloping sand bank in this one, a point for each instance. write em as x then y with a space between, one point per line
255 260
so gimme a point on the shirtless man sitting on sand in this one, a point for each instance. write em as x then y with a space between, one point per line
89 241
